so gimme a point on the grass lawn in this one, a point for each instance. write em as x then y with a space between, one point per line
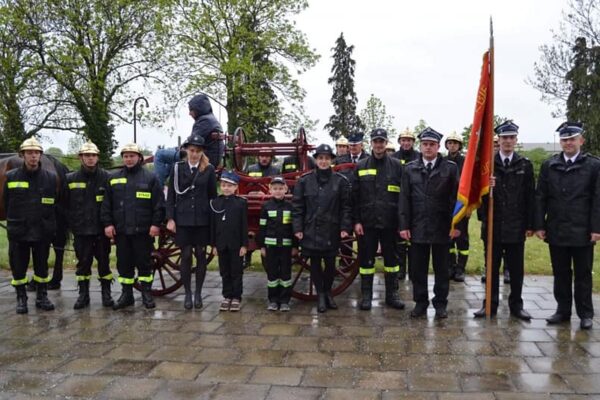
537 257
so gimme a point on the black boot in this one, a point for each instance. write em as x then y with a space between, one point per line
321 302
366 288
31 286
21 299
186 278
402 273
200 275
84 295
107 300
459 274
126 299
42 300
147 296
57 271
329 301
392 298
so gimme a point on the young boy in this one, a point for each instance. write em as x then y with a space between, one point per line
229 238
275 239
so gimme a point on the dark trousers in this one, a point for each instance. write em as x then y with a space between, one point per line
367 250
419 257
459 249
88 247
321 277
19 254
278 263
231 269
134 251
513 255
566 261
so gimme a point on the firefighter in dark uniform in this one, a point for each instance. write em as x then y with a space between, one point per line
406 153
277 244
355 147
375 191
427 200
264 167
85 192
192 184
30 198
321 216
294 164
459 247
514 198
341 146
132 211
567 217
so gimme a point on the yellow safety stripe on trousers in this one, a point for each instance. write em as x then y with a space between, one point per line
367 271
255 174
271 241
262 221
80 278
48 200
143 195
118 181
287 217
365 172
405 242
77 185
393 188
289 166
286 242
453 250
272 213
285 284
463 252
19 282
273 284
39 279
99 198
126 281
108 277
18 184
147 279
391 269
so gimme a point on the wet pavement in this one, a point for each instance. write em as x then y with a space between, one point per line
170 353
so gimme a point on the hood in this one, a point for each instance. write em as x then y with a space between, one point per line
200 104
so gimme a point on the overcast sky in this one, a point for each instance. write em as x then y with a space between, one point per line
422 59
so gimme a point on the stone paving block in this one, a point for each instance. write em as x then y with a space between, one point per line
338 344
562 349
549 365
543 383
296 343
433 382
356 360
522 396
490 382
309 359
201 326
210 340
396 395
294 393
131 388
251 342
454 363
466 396
137 368
176 370
503 365
32 383
130 351
184 390
354 394
238 391
84 366
278 330
215 355
382 380
216 373
38 364
82 386
583 383
401 362
263 357
479 348
173 353
328 377
277 376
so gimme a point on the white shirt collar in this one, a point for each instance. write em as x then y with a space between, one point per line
425 162
571 158
505 156
193 165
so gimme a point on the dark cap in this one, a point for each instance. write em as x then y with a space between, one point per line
356 138
570 129
231 177
379 133
324 149
278 180
194 140
507 128
431 135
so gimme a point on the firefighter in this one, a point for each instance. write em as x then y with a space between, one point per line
390 149
459 247
341 146
85 192
264 167
132 211
375 191
294 163
355 150
30 198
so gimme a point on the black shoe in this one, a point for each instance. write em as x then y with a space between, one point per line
21 299
330 302
482 278
321 303
198 300
586 323
107 300
521 314
126 299
147 299
481 313
441 313
84 295
419 311
366 288
506 276
42 300
187 303
459 275
557 318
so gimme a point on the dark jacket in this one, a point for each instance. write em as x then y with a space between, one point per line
191 207
568 200
406 156
427 201
375 192
205 124
275 224
229 222
514 198
293 164
257 170
30 200
321 209
134 201
85 193
459 160
347 158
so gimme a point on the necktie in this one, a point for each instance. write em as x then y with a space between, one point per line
569 163
506 162
353 159
429 167
194 169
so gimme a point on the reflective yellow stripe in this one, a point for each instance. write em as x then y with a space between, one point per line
287 242
463 252
391 269
394 188
402 161
18 184
367 271
285 284
148 279
453 251
79 278
126 281
40 279
99 198
143 195
108 277
19 282
273 284
290 166
271 241
287 217
364 172
47 200
255 174
77 185
118 181
272 214
262 221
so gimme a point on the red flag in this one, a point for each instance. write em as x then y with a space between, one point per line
475 176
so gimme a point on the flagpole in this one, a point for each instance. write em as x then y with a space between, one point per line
490 211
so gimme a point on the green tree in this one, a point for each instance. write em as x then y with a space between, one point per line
54 151
374 115
420 127
344 100
94 50
243 52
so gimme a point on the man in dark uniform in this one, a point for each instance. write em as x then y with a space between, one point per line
30 198
355 153
459 247
567 217
514 195
207 126
375 191
293 164
86 190
427 199
132 211
264 167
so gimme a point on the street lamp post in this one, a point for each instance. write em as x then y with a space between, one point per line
135 116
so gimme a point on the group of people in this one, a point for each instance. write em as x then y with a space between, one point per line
400 204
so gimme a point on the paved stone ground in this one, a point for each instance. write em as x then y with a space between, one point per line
170 353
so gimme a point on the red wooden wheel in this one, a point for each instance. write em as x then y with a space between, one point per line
239 160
